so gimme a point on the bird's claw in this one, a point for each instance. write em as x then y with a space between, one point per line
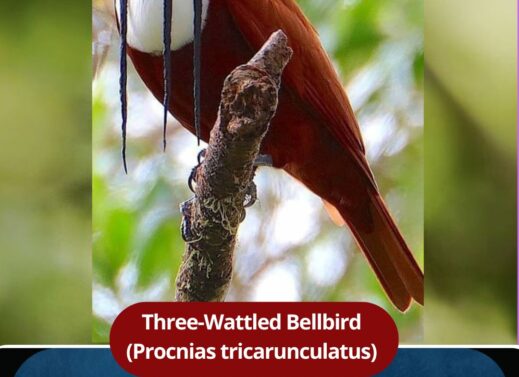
243 216
192 179
251 196
201 156
264 160
186 227
192 176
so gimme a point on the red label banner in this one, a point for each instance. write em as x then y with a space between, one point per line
165 339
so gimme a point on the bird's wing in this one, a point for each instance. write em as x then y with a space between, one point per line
310 73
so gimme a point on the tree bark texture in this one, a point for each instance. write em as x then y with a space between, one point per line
224 180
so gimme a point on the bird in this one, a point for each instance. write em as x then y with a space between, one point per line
183 50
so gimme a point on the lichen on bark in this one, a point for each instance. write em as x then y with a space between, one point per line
224 180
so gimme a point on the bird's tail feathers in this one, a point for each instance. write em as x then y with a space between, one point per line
380 240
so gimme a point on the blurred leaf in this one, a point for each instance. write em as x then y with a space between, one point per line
473 54
113 244
157 253
45 170
100 331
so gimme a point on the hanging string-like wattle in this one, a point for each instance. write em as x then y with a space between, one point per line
123 79
168 13
197 63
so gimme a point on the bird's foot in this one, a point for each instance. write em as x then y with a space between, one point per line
251 196
201 156
192 177
188 234
264 160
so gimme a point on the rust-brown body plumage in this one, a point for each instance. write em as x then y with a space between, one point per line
314 135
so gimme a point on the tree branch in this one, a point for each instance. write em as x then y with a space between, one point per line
224 178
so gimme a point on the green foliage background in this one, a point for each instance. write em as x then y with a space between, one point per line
378 48
45 173
470 217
